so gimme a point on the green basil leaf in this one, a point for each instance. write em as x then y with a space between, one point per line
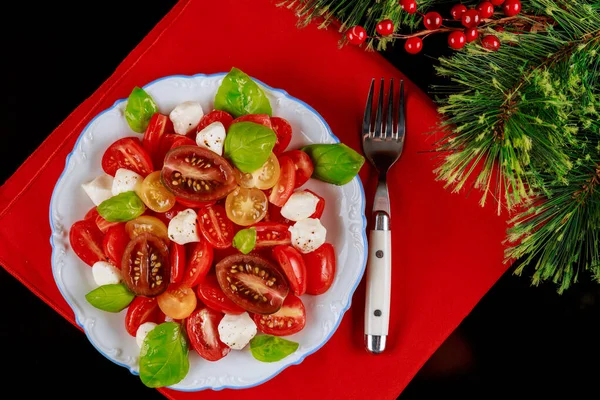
245 240
122 207
267 348
111 298
334 163
249 145
164 356
140 108
240 95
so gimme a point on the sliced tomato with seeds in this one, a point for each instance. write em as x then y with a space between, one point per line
261 119
292 264
199 259
146 265
202 328
283 130
272 234
141 310
114 243
210 293
128 153
177 302
197 174
290 319
252 282
215 226
158 126
284 187
86 241
303 166
213 116
178 258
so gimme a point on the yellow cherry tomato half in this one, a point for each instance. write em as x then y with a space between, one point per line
154 194
177 302
146 224
246 206
263 178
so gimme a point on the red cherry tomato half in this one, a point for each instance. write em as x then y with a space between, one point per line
103 224
199 260
214 116
86 241
274 215
91 214
283 130
193 204
284 187
261 119
272 234
167 142
202 328
290 319
303 166
114 243
177 255
127 153
157 127
210 293
292 264
215 226
320 206
320 269
140 310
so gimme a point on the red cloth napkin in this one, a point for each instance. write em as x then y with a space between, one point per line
447 249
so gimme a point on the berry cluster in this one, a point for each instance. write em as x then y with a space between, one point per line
472 23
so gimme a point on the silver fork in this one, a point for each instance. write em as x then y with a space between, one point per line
382 145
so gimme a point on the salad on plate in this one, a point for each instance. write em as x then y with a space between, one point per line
202 232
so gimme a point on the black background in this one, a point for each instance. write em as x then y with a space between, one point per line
518 341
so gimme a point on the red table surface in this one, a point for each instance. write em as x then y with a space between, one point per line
447 249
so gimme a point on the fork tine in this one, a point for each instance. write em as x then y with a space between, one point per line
366 127
389 129
401 114
379 116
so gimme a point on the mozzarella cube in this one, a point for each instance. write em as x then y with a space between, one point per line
186 116
236 331
143 331
99 189
212 137
308 235
299 206
105 273
125 181
183 228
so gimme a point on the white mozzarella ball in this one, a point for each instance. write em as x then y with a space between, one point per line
99 189
105 273
236 331
183 228
186 116
125 181
212 137
299 206
143 331
308 235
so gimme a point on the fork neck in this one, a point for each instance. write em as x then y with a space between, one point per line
381 203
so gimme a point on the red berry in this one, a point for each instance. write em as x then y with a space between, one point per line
385 27
356 35
457 40
485 9
410 6
432 20
497 2
491 42
471 34
413 45
511 7
457 11
470 18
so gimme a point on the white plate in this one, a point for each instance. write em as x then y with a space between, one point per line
343 218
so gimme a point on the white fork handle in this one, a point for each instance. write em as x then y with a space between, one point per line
379 285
